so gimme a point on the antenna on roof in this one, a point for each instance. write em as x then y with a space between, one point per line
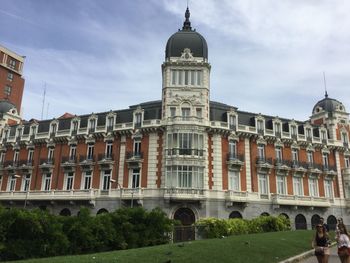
42 108
47 110
325 85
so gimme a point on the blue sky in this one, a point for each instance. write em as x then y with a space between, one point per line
267 56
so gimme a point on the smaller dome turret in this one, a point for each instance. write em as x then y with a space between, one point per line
7 107
328 105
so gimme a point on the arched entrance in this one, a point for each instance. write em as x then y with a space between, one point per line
300 222
315 219
102 211
332 222
185 231
235 214
65 212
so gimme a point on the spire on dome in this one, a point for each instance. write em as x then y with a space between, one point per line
187 23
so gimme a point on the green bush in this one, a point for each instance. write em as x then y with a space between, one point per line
214 227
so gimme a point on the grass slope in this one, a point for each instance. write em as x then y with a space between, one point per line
259 248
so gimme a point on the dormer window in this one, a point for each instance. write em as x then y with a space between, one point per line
53 128
75 125
277 128
138 119
232 121
260 126
324 136
308 134
110 123
293 131
92 125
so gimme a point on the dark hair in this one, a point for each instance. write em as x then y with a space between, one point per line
341 225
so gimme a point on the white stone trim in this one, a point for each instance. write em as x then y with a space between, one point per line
248 173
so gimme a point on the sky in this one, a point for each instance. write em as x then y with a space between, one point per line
266 56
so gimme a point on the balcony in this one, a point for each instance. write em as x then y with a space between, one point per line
263 164
185 152
236 196
234 161
134 159
306 201
282 166
184 194
68 163
46 163
26 164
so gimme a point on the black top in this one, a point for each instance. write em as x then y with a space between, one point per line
321 241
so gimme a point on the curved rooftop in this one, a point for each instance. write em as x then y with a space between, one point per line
186 38
329 105
6 106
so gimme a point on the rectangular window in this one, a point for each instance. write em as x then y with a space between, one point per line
75 127
90 152
323 135
15 157
185 143
26 183
50 155
260 125
180 77
135 177
12 63
69 180
10 76
138 119
72 152
137 148
344 137
298 186
295 155
310 158
278 152
281 185
30 156
313 187
199 78
46 186
232 149
2 157
92 124
184 177
261 152
186 77
234 180
232 121
109 150
263 184
7 90
110 122
293 130
173 77
193 78
328 190
199 113
12 183
106 180
347 162
325 160
172 111
186 113
277 127
87 180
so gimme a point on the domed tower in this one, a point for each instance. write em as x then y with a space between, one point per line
185 109
331 113
186 75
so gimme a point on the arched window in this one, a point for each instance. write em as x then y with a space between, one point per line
284 215
186 231
235 214
300 222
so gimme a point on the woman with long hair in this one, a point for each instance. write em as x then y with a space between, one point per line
343 242
320 244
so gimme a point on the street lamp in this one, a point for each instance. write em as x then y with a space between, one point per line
120 189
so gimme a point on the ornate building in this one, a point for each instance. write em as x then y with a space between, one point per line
190 156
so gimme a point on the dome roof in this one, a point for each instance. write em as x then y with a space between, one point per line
328 105
186 38
6 106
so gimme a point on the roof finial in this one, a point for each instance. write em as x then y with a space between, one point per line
187 23
325 85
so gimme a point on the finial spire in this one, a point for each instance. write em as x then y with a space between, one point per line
187 23
325 85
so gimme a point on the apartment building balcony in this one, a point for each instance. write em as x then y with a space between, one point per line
185 152
26 165
232 196
264 165
181 194
305 201
46 163
314 168
282 166
234 161
346 174
68 163
134 159
50 196
329 170
106 160
11 165
86 162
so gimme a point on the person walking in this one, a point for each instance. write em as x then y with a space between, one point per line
343 243
320 244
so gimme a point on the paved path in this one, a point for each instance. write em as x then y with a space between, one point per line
333 258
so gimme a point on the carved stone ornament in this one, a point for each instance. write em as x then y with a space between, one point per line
194 100
187 54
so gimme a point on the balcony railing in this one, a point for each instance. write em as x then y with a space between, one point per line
47 161
106 157
134 155
87 158
180 151
11 163
26 162
235 157
263 160
69 159
280 162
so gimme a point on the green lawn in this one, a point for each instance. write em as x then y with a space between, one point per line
267 247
